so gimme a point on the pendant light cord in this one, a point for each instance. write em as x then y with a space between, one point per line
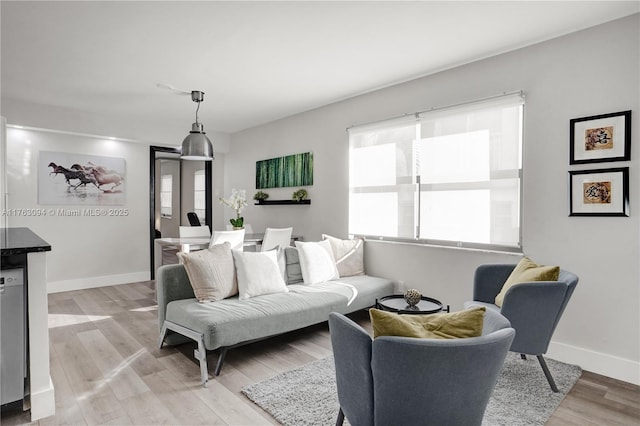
197 109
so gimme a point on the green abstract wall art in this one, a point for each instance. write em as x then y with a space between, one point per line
281 172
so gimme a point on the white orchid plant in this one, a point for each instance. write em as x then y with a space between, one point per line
237 201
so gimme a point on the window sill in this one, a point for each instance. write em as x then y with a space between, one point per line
517 251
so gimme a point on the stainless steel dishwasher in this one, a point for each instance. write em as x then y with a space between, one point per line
12 335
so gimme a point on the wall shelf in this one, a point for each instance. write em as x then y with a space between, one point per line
281 202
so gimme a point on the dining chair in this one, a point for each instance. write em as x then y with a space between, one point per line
236 238
247 228
194 231
276 237
193 219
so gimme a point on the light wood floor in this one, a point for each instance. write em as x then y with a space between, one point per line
106 369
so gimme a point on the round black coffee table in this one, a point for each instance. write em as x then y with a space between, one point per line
396 303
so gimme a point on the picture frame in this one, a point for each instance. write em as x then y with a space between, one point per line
288 171
599 192
600 138
70 179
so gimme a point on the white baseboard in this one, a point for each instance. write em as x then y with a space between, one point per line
596 362
92 282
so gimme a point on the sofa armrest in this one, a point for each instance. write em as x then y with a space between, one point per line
488 281
494 321
172 283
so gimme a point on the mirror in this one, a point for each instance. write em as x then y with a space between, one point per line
179 193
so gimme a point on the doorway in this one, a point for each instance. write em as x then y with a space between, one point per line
179 176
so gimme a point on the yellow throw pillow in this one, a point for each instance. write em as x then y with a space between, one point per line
526 271
467 323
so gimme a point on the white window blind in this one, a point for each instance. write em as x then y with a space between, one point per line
449 176
199 194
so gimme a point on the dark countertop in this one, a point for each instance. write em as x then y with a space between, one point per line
21 240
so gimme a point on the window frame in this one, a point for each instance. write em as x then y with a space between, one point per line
495 176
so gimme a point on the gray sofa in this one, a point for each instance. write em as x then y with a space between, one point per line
232 322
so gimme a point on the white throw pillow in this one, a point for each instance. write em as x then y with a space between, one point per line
258 273
211 272
282 262
317 262
349 255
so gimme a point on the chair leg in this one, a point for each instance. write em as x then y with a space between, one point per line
547 373
340 419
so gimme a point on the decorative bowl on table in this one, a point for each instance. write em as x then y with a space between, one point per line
412 297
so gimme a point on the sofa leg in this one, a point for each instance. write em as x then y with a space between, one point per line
200 354
223 353
523 356
163 334
547 373
340 419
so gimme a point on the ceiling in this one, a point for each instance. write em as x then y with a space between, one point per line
256 61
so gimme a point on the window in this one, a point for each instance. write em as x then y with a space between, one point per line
166 194
199 194
450 176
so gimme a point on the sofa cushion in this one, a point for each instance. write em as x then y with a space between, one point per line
258 273
232 321
294 273
360 291
526 271
211 272
467 323
349 255
316 262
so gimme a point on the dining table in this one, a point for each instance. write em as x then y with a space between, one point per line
189 244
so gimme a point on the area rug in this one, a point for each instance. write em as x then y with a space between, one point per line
307 395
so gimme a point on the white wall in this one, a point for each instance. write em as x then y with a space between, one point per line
591 72
3 179
218 172
103 262
87 251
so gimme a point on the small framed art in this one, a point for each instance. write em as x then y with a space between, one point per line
602 192
600 138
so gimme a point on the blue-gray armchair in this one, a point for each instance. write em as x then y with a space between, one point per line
405 380
533 308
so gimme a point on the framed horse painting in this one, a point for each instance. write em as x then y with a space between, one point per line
75 179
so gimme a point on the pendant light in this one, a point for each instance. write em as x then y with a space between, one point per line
197 146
